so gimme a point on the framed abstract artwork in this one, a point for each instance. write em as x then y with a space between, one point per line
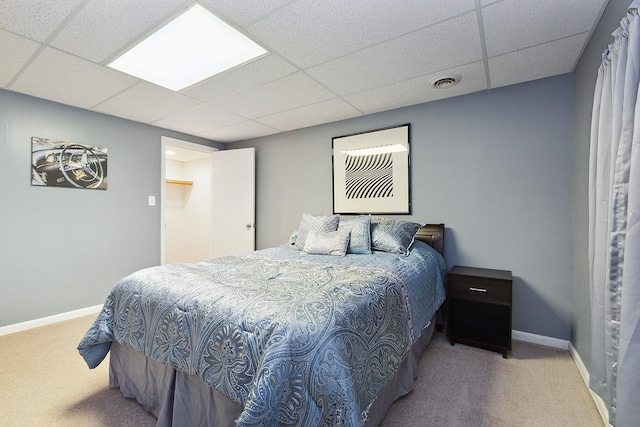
371 172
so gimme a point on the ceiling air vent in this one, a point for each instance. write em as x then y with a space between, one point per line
444 82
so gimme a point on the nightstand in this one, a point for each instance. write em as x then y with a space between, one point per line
479 307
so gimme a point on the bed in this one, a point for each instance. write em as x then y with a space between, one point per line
282 336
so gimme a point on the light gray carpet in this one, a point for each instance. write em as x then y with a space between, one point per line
45 382
467 386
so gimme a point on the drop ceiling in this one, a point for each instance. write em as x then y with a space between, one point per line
328 60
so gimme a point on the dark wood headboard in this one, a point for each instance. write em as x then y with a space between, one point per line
433 235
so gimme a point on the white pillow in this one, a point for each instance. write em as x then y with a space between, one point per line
327 243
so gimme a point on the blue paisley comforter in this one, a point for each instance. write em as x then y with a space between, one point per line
299 340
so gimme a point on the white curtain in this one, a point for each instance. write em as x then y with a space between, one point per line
614 226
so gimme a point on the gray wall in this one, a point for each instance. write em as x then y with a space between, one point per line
585 76
495 167
63 249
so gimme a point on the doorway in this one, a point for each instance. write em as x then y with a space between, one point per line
186 201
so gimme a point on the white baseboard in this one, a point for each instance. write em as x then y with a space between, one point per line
23 326
584 373
540 339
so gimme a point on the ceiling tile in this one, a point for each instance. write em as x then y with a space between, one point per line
19 49
549 59
516 24
35 19
290 92
311 115
238 132
102 28
417 90
146 102
333 34
199 119
243 12
241 79
446 45
64 78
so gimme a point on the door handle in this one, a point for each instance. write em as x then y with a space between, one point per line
249 226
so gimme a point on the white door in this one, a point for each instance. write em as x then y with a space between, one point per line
233 199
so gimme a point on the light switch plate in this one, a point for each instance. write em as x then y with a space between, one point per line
152 200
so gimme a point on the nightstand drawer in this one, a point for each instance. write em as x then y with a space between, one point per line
478 289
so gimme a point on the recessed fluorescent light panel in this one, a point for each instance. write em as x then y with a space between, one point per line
193 47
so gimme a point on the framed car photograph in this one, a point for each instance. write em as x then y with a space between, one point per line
371 172
66 164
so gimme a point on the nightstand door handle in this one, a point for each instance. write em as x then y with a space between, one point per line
478 289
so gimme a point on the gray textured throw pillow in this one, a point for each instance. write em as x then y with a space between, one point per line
324 223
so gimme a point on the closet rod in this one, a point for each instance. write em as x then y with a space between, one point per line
179 182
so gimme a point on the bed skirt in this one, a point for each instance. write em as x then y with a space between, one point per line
180 399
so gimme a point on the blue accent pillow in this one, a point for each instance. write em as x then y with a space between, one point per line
393 235
360 228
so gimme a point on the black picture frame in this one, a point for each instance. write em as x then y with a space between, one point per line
371 171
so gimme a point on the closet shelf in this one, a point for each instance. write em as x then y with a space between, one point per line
179 182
